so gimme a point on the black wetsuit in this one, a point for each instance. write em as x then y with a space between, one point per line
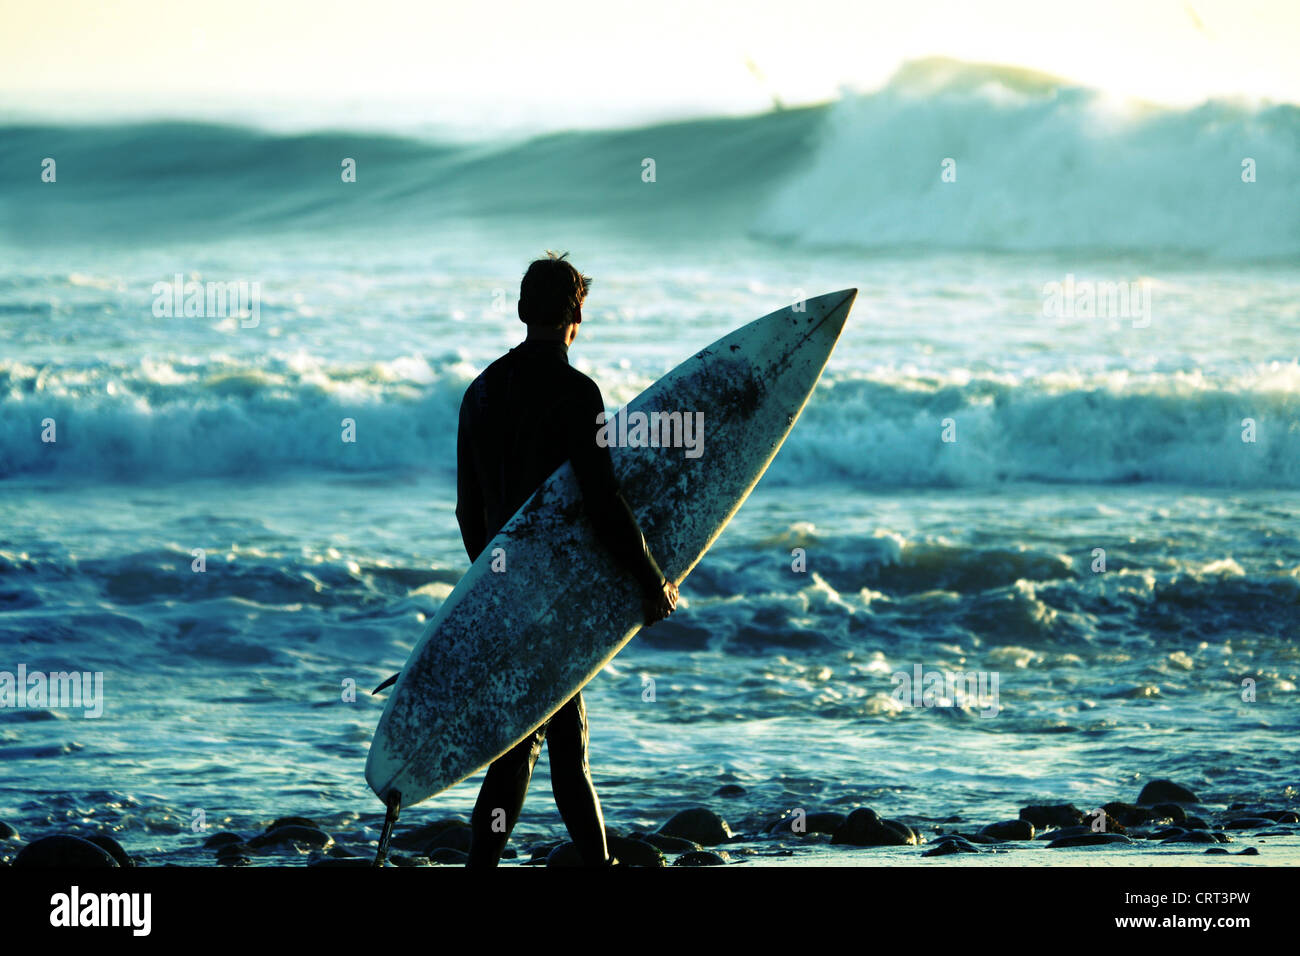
528 413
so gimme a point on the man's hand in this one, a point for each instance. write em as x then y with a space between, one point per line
659 605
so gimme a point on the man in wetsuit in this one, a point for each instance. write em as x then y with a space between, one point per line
528 413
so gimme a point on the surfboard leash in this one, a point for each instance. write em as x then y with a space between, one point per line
390 818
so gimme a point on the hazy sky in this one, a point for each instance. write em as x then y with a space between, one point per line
580 61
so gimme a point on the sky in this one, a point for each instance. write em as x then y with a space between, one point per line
593 62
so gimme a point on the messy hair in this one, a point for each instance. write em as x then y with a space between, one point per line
552 290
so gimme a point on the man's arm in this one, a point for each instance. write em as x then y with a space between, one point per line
611 516
469 496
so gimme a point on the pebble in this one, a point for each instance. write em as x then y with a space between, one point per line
1052 815
539 853
225 838
1240 810
1105 824
566 854
1088 839
1171 810
699 824
669 844
455 837
1165 791
812 823
635 852
112 848
1248 823
1164 833
1131 816
950 843
423 836
1009 830
1059 832
292 833
864 827
64 851
291 822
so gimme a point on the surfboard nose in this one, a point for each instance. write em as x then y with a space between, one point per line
817 323
834 308
849 297
844 297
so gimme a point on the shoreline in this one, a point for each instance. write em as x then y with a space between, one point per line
1167 827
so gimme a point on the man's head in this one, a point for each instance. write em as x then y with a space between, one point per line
551 297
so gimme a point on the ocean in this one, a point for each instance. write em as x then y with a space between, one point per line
1059 444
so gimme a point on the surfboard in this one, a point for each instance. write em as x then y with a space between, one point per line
545 606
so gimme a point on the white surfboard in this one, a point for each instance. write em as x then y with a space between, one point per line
508 648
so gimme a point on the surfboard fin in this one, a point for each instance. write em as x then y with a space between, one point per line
386 684
390 818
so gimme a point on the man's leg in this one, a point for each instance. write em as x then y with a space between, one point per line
575 794
501 799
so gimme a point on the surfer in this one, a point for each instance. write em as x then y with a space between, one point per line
523 417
